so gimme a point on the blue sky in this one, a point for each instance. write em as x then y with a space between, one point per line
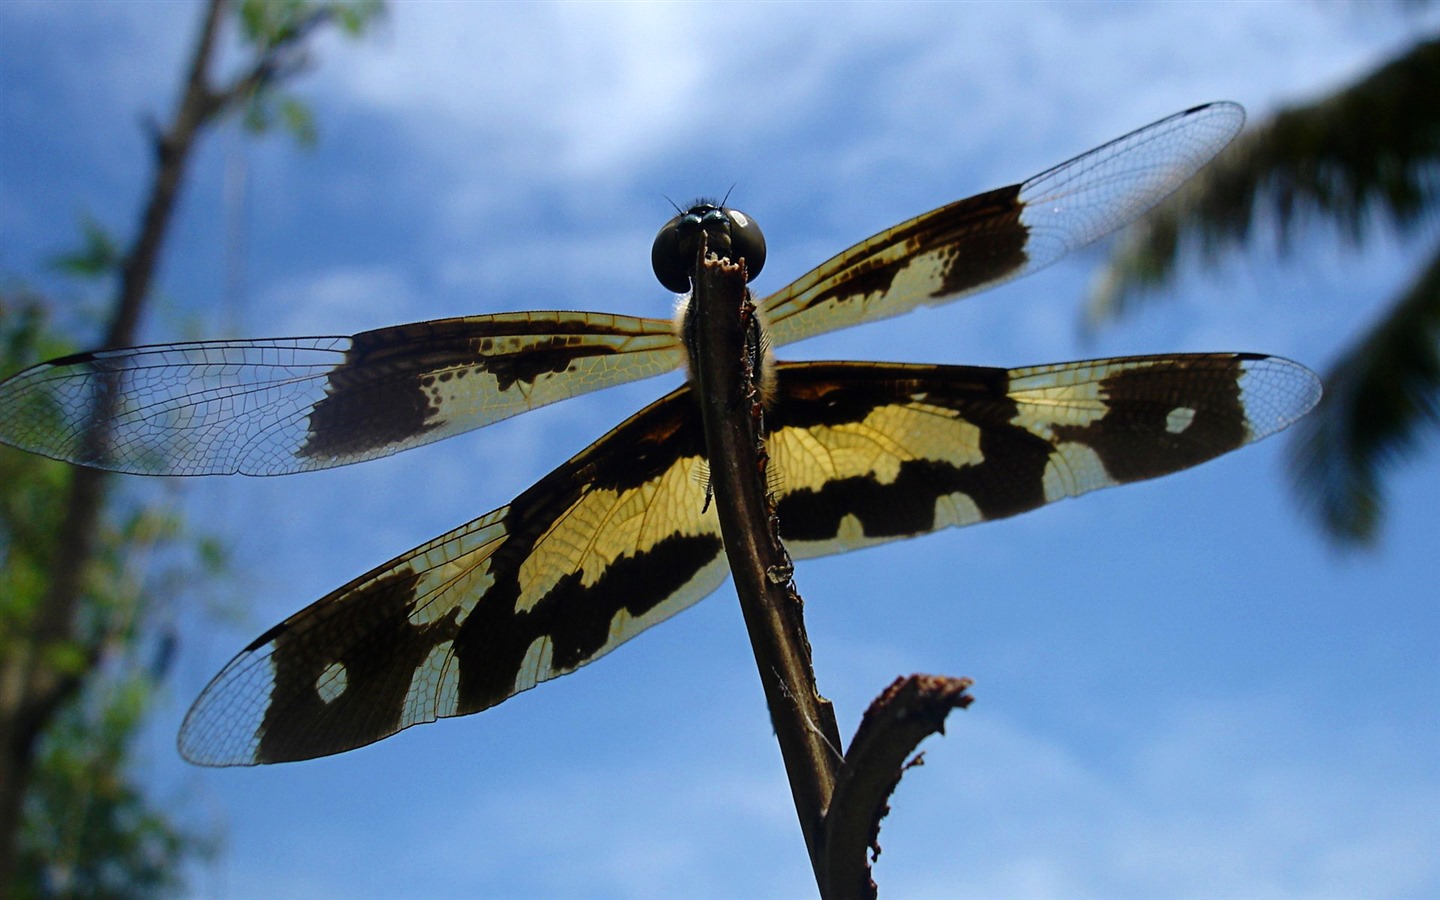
1181 690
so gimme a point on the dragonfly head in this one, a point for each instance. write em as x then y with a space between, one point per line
728 233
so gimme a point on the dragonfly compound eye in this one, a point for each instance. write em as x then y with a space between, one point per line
729 233
746 242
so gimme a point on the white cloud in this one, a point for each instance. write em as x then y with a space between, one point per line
695 816
598 81
1193 808
1196 809
342 300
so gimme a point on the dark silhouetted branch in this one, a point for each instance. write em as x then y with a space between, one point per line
910 710
726 355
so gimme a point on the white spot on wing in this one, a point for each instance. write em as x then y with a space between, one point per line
1179 419
537 664
435 688
850 532
1072 470
332 682
956 509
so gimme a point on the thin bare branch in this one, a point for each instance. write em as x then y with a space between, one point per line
908 711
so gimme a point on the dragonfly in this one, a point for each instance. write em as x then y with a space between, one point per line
622 536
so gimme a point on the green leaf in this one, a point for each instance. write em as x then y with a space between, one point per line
89 829
355 17
298 119
99 253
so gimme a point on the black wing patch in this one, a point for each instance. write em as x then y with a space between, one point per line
974 244
920 448
271 407
620 537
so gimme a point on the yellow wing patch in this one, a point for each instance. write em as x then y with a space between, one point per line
611 543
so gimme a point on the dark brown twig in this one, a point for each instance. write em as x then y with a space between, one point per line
725 351
908 711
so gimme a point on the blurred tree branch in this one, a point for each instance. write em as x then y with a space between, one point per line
1367 153
50 653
